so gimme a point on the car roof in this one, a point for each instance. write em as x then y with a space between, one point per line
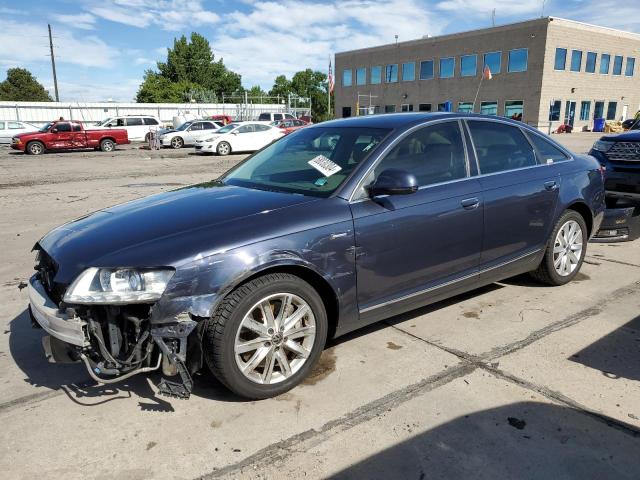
403 120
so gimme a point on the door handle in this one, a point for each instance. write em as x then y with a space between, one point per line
470 203
551 186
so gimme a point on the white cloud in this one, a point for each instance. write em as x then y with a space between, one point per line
172 15
96 91
282 37
84 21
86 51
483 7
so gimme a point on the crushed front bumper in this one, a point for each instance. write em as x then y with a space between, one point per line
55 322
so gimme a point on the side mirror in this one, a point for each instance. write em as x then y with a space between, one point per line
393 181
235 132
54 130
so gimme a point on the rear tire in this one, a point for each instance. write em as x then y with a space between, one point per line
252 354
223 149
35 148
107 145
565 250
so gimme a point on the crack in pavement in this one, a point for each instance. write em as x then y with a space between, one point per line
280 450
611 260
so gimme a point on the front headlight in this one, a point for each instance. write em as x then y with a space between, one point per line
210 139
602 145
118 286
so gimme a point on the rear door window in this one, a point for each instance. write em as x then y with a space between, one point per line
134 122
500 147
1 125
546 150
278 116
434 154
15 125
150 121
264 117
76 127
196 126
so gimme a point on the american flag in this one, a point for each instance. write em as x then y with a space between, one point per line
330 78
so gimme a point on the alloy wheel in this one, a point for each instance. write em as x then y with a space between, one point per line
567 248
176 142
275 338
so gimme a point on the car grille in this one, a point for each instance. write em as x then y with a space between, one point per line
625 152
47 268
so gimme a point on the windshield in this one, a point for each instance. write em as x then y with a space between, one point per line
228 128
184 126
46 127
104 122
311 161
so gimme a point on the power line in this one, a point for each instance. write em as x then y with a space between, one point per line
53 64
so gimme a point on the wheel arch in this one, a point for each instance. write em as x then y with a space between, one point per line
316 280
585 212
108 138
35 140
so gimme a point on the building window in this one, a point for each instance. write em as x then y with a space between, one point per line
590 67
406 107
391 73
442 107
489 108
561 59
598 110
631 64
518 60
426 70
389 108
424 107
605 59
376 75
514 109
576 60
465 107
493 60
468 65
346 112
447 67
361 76
346 77
408 72
585 110
554 110
617 65
611 110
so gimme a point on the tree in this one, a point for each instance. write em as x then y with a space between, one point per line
22 86
189 73
256 92
281 87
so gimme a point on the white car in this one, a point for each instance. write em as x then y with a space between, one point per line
239 137
188 133
137 126
9 128
272 117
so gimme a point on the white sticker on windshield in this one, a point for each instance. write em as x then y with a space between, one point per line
324 165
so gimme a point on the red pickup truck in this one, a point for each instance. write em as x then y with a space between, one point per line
68 135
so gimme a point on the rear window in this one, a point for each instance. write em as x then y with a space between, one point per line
500 147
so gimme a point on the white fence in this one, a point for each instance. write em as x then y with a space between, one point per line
42 112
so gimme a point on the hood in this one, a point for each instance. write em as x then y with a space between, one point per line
166 229
631 136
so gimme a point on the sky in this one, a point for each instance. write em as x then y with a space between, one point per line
103 47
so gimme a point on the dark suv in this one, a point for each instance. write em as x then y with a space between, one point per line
333 227
620 155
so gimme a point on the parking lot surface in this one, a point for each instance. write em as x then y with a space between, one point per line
515 380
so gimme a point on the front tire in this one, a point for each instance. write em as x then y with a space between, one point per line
107 145
177 142
565 250
223 149
266 335
35 148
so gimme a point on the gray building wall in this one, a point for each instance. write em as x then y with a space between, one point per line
536 87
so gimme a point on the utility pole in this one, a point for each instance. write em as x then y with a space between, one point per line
493 17
53 64
542 13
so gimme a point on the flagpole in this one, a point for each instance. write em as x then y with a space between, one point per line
478 91
329 91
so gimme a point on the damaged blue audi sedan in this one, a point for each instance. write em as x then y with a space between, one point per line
326 230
